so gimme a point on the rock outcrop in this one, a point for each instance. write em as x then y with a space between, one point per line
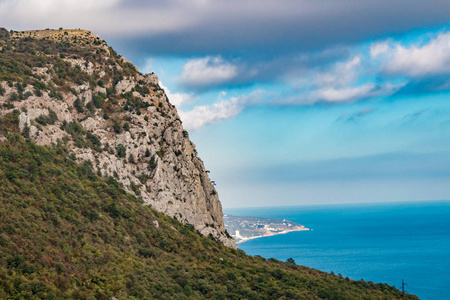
119 120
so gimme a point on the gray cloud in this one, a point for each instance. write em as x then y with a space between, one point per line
355 116
228 26
289 26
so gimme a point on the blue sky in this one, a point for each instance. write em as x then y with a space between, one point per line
291 102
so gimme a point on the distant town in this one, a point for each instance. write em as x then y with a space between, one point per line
246 228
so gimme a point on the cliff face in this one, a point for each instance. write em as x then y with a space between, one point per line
69 87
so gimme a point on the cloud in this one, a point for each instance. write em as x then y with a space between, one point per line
376 49
199 27
347 80
355 116
289 26
344 94
428 59
177 99
351 94
411 117
207 71
338 82
341 74
203 115
104 17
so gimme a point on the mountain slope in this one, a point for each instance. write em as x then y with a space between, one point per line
70 87
66 233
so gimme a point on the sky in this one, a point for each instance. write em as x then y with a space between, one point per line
290 102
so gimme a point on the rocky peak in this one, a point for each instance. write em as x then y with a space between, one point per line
69 86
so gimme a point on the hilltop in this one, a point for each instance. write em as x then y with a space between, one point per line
70 87
55 34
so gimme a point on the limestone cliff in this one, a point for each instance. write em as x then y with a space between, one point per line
69 87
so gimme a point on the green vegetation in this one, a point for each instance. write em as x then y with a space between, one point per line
49 119
9 123
121 151
134 104
99 99
67 233
117 126
80 137
78 105
19 55
55 64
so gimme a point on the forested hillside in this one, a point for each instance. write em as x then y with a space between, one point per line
67 233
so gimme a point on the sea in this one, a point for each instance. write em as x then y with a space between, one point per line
381 242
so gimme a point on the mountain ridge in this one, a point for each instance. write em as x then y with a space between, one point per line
73 87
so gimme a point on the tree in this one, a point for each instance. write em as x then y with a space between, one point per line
290 261
121 151
78 105
117 127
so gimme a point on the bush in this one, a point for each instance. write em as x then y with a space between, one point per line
78 105
121 151
117 127
99 99
49 119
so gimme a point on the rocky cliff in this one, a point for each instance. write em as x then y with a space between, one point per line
70 87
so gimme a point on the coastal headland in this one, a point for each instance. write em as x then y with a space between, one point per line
243 228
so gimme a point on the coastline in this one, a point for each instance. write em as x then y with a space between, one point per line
270 234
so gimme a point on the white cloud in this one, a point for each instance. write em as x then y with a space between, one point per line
343 94
379 48
341 81
431 58
177 99
203 115
341 74
208 70
355 93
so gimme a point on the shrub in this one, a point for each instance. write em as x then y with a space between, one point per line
99 99
117 127
49 119
78 105
121 151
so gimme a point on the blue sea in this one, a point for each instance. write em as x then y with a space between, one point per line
375 242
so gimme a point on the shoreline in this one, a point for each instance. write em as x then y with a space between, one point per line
271 234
